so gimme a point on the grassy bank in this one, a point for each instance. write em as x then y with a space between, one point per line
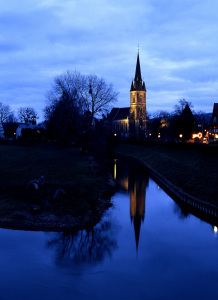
63 168
191 167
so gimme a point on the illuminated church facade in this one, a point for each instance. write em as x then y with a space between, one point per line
132 121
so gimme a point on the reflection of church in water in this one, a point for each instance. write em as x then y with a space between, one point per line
134 180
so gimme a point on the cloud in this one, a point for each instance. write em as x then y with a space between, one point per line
177 41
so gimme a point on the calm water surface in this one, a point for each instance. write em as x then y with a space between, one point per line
144 247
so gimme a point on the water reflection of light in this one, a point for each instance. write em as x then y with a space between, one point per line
215 229
115 169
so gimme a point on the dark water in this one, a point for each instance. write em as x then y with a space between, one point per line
145 247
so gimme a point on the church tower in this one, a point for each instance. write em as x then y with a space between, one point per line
138 99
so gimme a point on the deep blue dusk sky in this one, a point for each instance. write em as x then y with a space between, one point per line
178 43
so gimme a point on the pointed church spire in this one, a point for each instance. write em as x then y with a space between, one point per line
138 76
138 84
137 226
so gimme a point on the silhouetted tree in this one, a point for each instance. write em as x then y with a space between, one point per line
86 245
178 108
27 115
74 102
5 112
12 118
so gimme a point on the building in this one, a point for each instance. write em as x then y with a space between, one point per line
30 131
132 121
213 127
186 124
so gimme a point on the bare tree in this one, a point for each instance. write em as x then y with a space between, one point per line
11 118
161 114
87 245
178 108
75 100
27 115
5 112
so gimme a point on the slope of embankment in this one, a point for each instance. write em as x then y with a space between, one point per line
190 167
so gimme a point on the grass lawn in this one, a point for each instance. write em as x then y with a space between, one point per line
191 167
62 168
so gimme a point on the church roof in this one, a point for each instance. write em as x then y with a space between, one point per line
119 113
215 112
138 84
187 113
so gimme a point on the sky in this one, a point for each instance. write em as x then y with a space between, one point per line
178 48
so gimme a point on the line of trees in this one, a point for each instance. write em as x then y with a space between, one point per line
181 122
76 103
24 114
11 121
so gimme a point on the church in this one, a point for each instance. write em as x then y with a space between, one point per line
132 121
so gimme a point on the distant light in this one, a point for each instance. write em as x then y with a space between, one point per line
115 134
180 136
197 135
215 229
14 133
149 134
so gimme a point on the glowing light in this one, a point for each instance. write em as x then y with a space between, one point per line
115 134
149 134
180 136
215 229
197 135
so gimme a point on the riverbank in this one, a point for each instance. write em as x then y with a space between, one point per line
190 167
51 188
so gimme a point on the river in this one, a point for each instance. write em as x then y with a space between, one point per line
145 247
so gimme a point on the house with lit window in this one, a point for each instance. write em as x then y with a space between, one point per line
30 131
213 127
131 121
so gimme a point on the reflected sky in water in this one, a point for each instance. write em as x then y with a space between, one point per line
145 246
